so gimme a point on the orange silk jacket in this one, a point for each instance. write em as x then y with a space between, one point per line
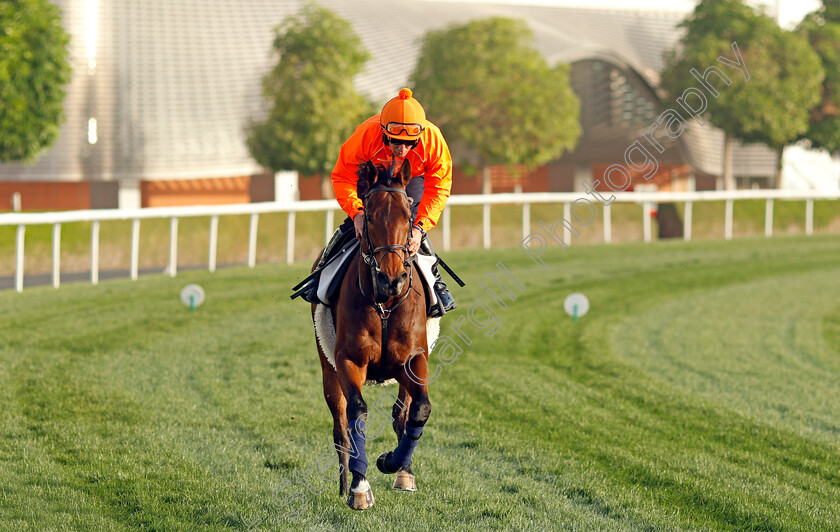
430 159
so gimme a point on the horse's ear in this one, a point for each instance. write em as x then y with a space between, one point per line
404 175
369 173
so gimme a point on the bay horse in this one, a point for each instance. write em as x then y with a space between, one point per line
380 334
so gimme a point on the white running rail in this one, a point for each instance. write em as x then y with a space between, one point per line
646 199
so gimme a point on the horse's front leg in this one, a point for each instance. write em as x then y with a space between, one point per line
413 379
399 414
405 477
352 377
338 408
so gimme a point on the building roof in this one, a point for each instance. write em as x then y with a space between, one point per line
177 82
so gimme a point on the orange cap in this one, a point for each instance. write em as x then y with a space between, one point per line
403 109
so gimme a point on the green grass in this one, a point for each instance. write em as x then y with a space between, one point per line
701 392
506 223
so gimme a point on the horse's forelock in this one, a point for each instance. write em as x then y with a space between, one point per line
383 177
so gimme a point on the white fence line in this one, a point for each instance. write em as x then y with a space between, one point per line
56 254
135 249
568 199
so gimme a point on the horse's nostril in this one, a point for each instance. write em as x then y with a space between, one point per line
399 282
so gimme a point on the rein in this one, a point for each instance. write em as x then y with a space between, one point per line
374 269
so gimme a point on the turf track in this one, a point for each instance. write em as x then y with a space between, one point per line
700 393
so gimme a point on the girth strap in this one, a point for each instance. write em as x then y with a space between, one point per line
384 350
384 313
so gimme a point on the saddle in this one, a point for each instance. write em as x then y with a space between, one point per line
329 282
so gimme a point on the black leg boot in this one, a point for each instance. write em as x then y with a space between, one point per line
445 300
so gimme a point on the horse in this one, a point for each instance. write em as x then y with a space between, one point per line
380 334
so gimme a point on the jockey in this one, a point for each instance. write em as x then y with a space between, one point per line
399 132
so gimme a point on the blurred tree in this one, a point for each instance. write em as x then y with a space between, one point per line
488 89
773 106
830 11
33 73
822 29
314 107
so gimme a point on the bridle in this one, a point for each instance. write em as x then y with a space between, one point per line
373 264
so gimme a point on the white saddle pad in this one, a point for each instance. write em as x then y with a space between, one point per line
325 335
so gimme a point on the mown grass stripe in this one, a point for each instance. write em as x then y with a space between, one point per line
123 410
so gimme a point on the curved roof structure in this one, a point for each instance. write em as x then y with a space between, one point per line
176 83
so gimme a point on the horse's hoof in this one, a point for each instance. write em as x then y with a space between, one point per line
382 463
361 497
404 481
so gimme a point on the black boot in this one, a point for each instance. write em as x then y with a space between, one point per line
331 246
309 293
445 300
